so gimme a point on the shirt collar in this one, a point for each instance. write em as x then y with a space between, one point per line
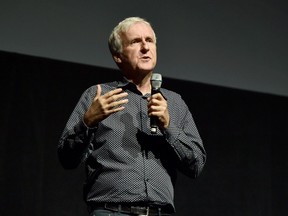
122 83
125 84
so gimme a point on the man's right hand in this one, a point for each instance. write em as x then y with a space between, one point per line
105 105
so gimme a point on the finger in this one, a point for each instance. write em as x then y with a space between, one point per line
117 97
155 98
98 94
158 96
113 92
117 109
154 111
116 104
153 103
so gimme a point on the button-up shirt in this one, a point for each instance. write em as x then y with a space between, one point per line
124 161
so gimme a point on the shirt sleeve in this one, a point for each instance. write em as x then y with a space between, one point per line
75 143
184 138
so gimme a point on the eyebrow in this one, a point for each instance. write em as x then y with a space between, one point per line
138 39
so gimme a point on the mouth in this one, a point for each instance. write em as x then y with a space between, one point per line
145 57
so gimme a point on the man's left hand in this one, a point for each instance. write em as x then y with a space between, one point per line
157 106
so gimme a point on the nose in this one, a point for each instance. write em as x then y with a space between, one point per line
145 46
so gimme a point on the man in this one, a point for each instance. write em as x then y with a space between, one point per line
129 170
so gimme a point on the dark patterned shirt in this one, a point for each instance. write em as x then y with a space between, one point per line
124 161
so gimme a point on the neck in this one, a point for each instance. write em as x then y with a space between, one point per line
142 83
144 88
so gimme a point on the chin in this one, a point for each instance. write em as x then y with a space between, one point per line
147 68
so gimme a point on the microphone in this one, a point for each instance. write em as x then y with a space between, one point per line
156 81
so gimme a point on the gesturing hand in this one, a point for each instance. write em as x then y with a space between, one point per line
157 106
104 105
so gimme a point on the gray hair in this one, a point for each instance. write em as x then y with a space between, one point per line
115 40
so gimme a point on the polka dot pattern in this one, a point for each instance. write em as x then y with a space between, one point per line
124 161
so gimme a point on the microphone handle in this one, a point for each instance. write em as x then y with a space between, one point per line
153 119
153 125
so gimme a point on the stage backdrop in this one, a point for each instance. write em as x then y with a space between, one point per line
245 135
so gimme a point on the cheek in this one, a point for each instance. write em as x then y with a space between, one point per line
129 57
154 51
132 54
155 54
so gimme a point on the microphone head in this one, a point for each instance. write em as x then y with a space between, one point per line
156 81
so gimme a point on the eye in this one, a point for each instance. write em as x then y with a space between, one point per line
134 41
150 40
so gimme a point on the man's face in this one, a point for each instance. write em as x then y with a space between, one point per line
139 49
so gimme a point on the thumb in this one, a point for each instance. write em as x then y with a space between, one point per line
98 94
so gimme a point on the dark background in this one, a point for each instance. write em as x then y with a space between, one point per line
245 134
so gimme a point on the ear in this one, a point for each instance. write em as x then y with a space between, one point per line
117 58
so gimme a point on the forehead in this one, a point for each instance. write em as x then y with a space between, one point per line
139 29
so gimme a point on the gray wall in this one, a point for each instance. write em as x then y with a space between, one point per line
239 44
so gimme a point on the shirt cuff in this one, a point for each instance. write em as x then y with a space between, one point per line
82 128
172 133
